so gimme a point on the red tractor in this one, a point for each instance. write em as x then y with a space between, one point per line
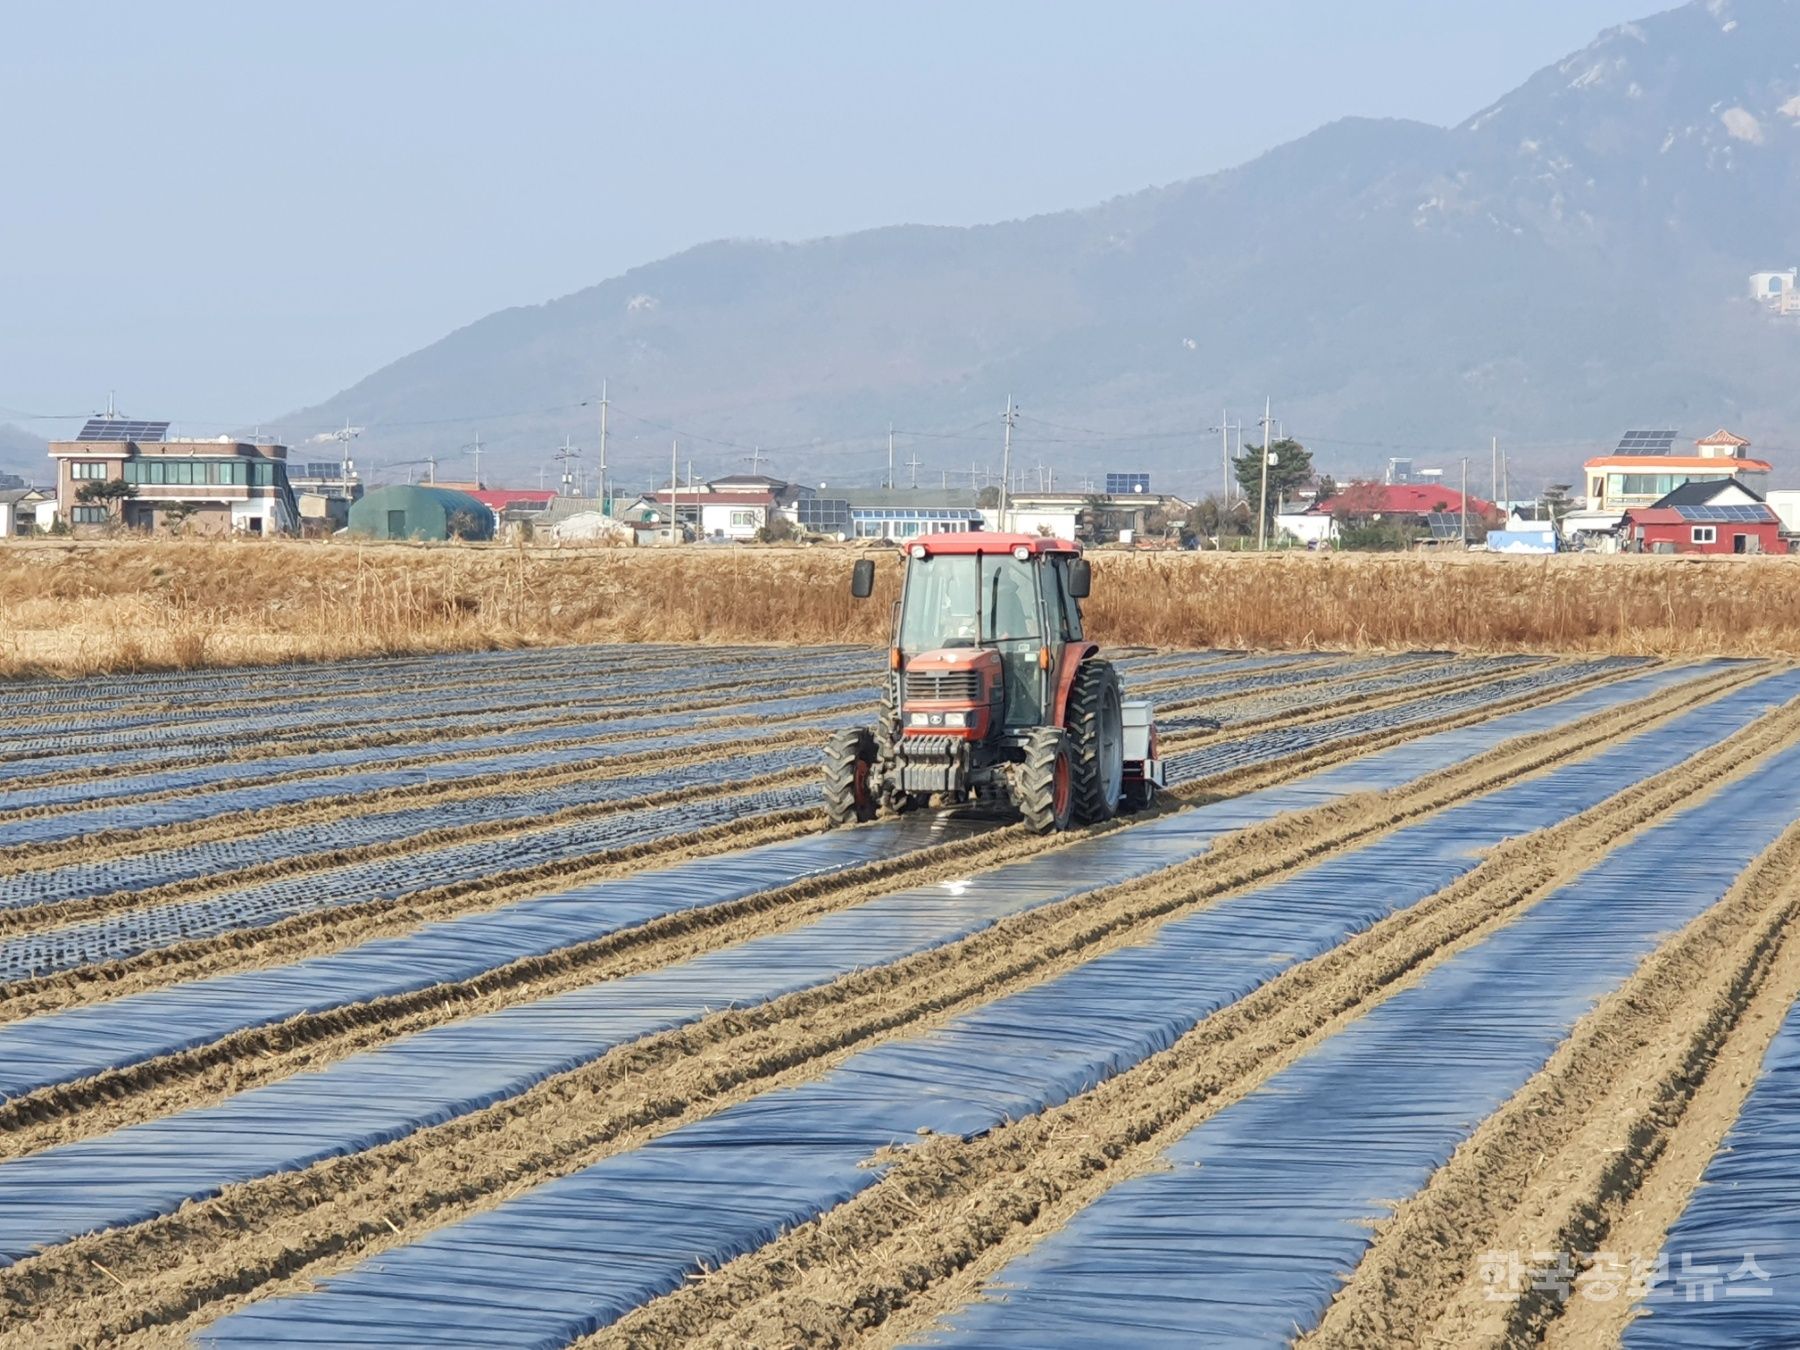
994 694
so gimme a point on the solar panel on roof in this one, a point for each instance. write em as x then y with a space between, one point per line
1646 443
1124 484
121 429
1742 513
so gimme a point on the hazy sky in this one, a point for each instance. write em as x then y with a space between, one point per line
226 211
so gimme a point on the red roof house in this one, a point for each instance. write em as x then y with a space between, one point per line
498 499
1366 500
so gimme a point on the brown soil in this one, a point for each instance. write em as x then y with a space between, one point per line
949 1215
294 1228
1554 1168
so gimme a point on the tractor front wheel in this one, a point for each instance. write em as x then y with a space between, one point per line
849 795
1046 781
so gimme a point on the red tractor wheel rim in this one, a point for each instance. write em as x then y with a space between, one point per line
1062 786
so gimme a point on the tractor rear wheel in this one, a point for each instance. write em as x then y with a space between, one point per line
1046 781
849 795
1096 721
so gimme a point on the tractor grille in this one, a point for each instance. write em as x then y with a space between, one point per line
964 686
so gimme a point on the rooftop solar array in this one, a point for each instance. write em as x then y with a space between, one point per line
1646 443
1742 513
1124 484
122 429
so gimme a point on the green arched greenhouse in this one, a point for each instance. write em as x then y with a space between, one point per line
420 511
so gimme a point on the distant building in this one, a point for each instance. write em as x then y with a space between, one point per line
714 514
26 511
1703 517
1437 512
1773 287
1646 466
323 493
420 511
1785 502
884 513
217 487
1095 517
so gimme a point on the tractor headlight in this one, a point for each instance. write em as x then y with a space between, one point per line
959 719
917 550
919 720
1022 552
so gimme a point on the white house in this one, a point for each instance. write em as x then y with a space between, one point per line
1774 287
720 515
1311 528
23 508
1785 502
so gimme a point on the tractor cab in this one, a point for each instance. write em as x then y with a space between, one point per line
988 619
994 691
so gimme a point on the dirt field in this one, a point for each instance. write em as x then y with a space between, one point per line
519 996
94 608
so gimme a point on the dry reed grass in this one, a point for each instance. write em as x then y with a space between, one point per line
69 608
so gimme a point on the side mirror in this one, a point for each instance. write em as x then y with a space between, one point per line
862 578
1081 578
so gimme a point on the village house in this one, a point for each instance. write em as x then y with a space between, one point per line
1703 517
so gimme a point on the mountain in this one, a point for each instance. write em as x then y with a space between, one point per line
24 454
1566 263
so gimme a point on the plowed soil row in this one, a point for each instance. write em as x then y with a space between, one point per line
428 757
1558 1167
526 674
548 720
289 1228
56 915
338 926
951 1213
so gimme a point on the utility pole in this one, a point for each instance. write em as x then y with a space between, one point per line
674 482
1006 467
1262 505
1463 505
1494 469
478 461
1225 428
1505 477
603 506
344 437
567 456
754 459
890 477
1225 456
912 471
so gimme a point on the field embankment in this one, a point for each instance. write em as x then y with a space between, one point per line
87 608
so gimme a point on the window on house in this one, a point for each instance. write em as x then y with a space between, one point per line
87 468
1706 534
89 515
743 518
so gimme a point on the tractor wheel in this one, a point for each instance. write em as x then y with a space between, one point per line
1046 781
849 796
1096 723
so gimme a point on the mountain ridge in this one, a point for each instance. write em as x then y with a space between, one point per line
1564 261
